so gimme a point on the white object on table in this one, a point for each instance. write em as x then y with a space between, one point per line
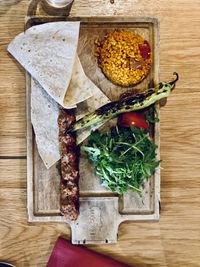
59 3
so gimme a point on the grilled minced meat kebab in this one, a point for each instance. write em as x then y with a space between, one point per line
69 195
136 102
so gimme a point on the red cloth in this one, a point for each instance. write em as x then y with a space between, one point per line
65 254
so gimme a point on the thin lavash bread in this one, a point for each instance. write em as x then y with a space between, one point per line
44 116
76 89
48 53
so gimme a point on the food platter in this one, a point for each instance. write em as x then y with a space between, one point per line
101 211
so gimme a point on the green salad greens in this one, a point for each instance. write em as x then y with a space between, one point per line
124 158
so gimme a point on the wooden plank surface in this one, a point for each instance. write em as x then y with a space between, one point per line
175 240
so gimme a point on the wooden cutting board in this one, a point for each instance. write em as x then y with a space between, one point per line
101 211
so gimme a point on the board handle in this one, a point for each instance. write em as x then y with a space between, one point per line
98 221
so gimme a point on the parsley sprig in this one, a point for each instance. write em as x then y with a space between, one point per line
124 158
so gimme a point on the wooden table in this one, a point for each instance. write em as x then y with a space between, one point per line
175 239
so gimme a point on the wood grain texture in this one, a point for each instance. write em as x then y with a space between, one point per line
12 87
175 240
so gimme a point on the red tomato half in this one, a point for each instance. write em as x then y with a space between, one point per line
145 50
129 119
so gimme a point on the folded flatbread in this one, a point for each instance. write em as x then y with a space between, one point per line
48 53
80 87
44 115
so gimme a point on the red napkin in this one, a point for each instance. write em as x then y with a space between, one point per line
65 254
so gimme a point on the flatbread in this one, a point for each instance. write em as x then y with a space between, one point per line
80 87
48 53
44 116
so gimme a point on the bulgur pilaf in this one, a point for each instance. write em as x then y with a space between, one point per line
124 57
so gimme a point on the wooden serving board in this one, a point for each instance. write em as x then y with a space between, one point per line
101 211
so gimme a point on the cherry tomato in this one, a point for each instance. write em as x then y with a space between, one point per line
129 119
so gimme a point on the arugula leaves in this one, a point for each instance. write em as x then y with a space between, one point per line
124 158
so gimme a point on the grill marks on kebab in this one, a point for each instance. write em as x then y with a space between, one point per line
69 166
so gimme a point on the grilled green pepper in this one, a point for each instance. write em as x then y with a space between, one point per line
136 102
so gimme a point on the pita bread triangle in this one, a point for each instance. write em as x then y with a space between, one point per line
48 53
